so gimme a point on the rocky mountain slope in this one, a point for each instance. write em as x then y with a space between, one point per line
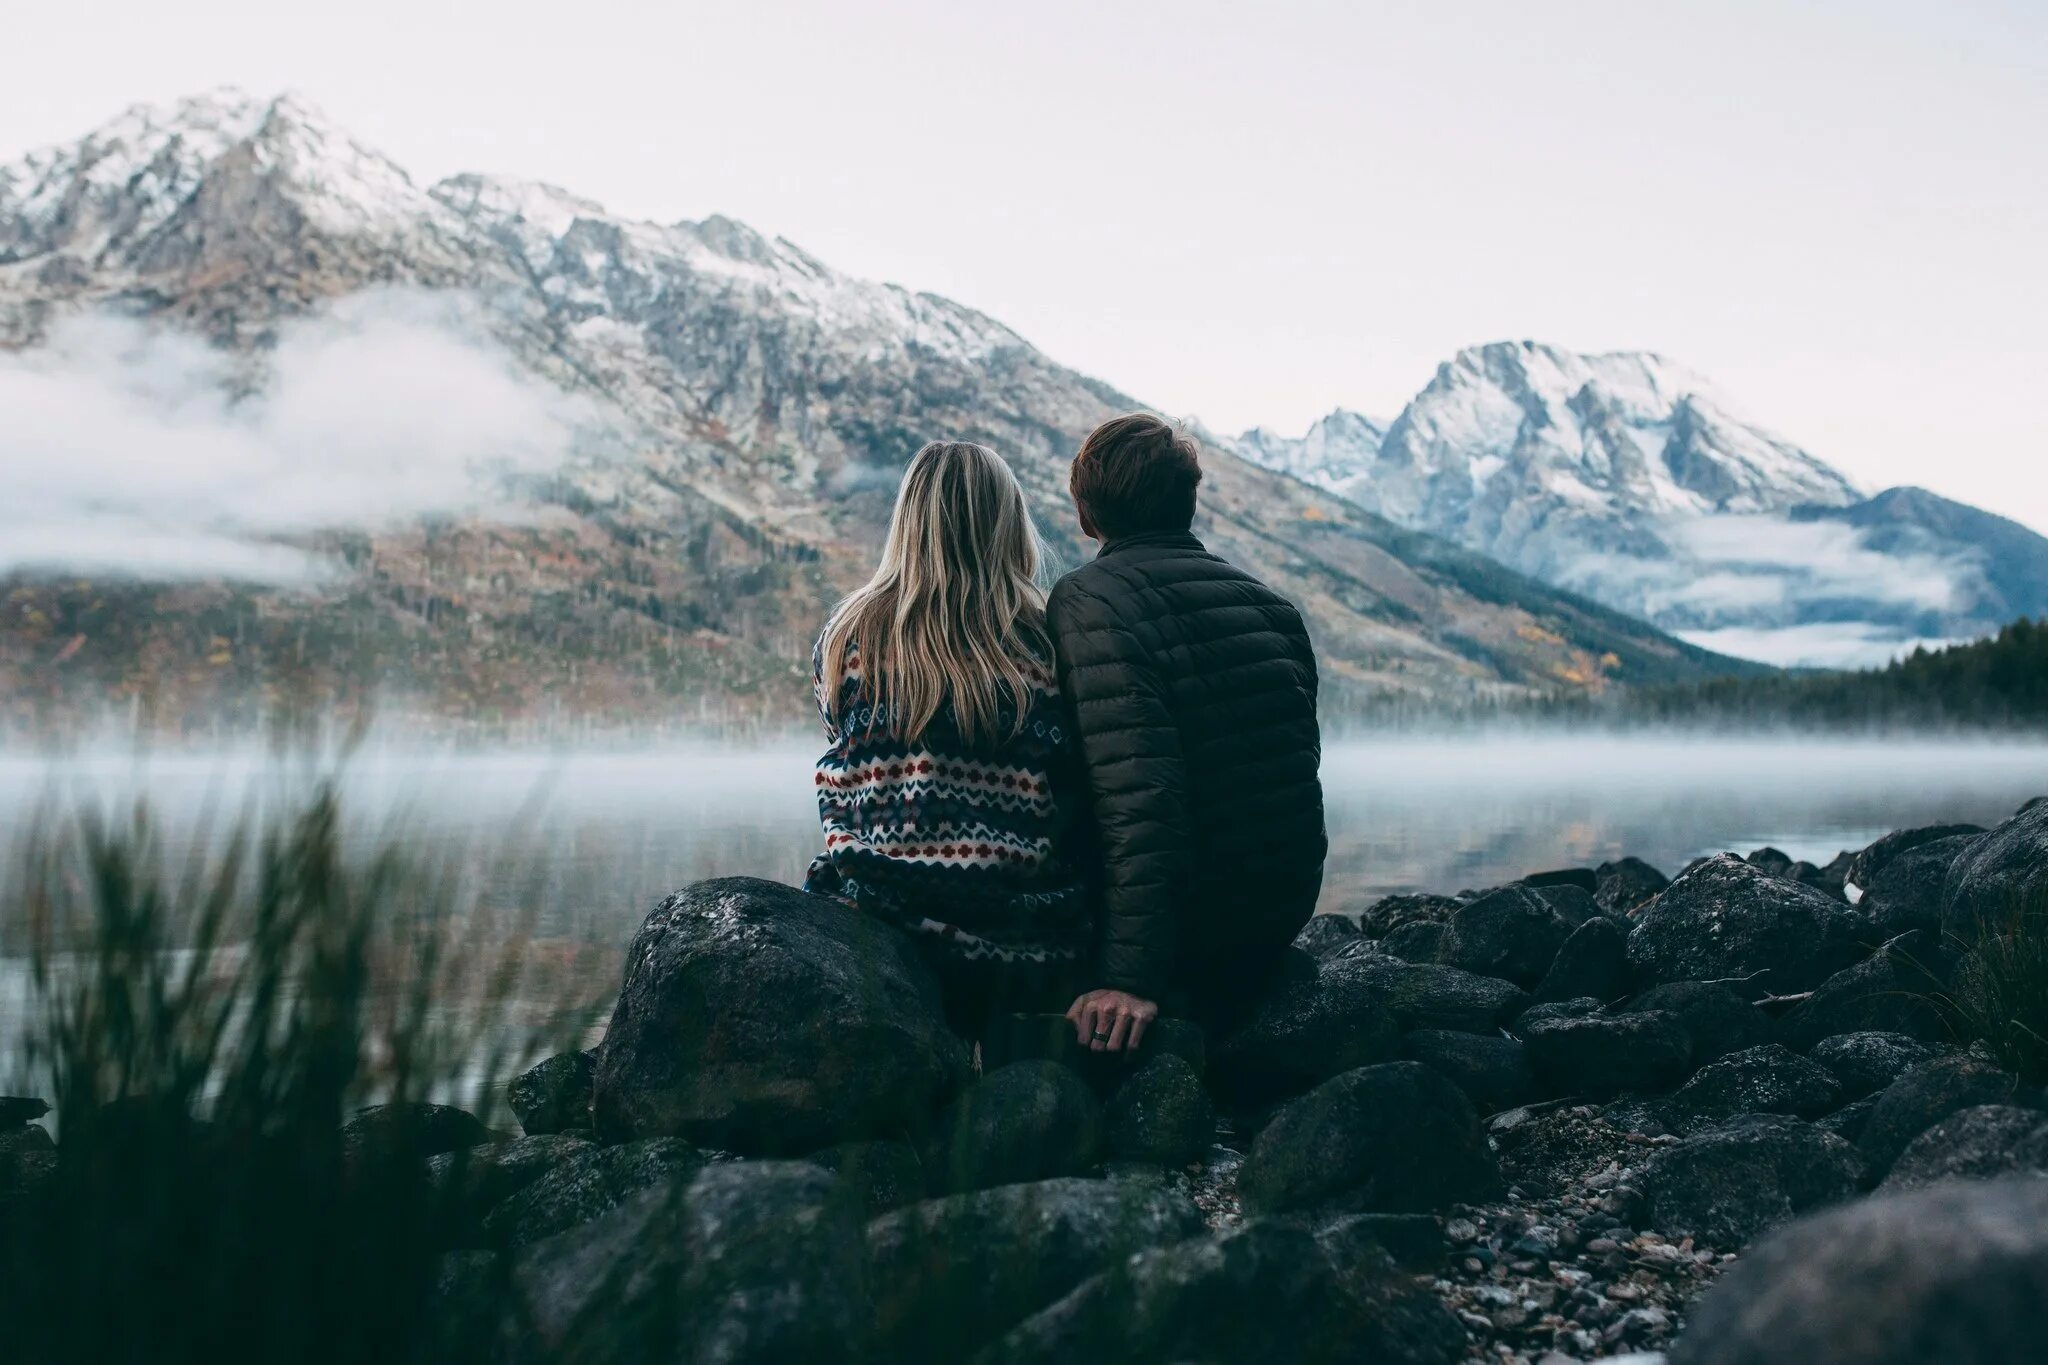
1626 477
739 411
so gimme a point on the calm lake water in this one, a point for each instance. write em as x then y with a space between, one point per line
587 841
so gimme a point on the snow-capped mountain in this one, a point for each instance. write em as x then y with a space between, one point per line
1628 478
735 411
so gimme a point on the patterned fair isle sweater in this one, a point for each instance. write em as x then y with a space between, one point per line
971 843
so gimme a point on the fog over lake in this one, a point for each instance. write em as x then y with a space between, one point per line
587 840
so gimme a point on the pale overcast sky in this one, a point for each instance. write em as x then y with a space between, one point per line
1255 212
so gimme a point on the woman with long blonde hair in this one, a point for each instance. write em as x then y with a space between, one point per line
950 793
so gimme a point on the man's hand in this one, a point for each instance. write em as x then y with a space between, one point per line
1110 1021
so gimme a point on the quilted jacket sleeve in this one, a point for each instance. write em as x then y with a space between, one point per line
1138 784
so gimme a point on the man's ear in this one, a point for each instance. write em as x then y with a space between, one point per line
1087 526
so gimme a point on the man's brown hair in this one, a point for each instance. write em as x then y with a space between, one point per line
1135 474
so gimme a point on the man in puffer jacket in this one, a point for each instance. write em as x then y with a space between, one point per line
1193 690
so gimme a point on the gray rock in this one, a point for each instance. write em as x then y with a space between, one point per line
1761 1080
1927 1094
758 1019
2002 870
19 1109
1772 860
1050 1038
1490 1069
1892 991
1026 1121
1558 1009
1727 1183
1716 1019
1848 1122
1394 1138
1867 1062
589 1184
1626 883
1726 919
1417 942
467 1184
1415 1241
1592 962
1159 1114
1978 1143
1513 933
1955 1273
951 1274
27 1139
1326 933
754 1262
1421 995
1266 1292
879 1175
1905 894
1306 1032
554 1097
1600 1055
410 1131
1866 867
1390 913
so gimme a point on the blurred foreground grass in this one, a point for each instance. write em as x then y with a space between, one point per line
205 1031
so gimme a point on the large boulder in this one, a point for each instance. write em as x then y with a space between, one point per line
1978 1144
1905 894
1891 991
1866 867
466 1185
2005 869
1761 1080
554 1096
1389 913
1955 1273
1160 1114
877 1174
1267 1293
1050 1038
1726 920
410 1131
1026 1121
1727 1183
1393 1138
1324 934
1866 1063
1305 1032
1513 933
1927 1094
1414 942
749 1262
758 1019
1592 962
1490 1069
1422 995
586 1185
19 1109
1625 884
1598 1055
1716 1019
951 1274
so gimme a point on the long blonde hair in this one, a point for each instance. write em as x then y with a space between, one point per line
954 611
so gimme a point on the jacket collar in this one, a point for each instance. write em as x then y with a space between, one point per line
1165 540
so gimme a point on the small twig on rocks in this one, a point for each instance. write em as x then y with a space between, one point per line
1792 999
1735 980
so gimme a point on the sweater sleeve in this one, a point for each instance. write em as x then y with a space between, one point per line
1137 782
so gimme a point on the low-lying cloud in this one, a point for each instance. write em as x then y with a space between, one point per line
134 450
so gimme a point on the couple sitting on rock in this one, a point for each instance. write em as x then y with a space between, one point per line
1107 796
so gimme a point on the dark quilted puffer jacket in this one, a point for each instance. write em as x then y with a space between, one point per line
1193 688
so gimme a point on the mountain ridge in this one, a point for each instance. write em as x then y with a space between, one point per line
1630 479
744 411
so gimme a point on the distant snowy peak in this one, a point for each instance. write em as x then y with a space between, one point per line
1504 428
1336 450
111 197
